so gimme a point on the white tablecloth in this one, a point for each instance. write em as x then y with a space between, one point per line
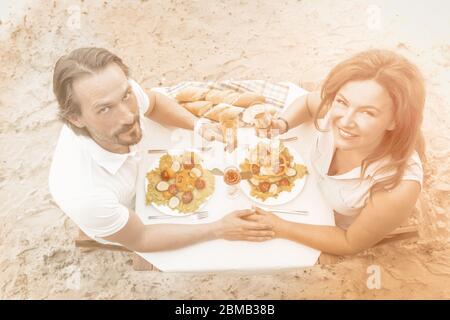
222 255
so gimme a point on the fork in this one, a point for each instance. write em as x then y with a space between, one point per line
199 215
203 149
288 139
299 212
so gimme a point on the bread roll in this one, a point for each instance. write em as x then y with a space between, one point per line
191 94
248 99
243 100
218 96
199 108
231 113
213 114
253 111
231 97
229 110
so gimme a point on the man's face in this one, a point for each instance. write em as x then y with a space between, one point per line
109 110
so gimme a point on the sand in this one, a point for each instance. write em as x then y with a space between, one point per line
165 42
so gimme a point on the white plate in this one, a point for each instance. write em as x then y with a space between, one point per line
284 196
165 209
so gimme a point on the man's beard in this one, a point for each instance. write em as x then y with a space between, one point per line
133 138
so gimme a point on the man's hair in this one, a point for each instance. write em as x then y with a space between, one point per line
78 63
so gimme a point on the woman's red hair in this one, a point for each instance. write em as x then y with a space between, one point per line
405 85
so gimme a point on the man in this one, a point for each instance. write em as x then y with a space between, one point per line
106 118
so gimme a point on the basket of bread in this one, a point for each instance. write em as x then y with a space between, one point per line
212 104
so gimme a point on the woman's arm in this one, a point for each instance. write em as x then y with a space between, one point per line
384 213
300 111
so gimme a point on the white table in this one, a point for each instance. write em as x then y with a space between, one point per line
222 255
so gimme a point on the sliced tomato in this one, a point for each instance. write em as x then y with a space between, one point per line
255 169
173 190
187 197
165 175
283 182
264 186
200 184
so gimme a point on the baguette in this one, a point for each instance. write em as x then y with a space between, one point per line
243 100
217 96
198 108
230 113
248 99
228 110
191 94
250 114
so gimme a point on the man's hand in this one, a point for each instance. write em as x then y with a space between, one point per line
235 227
211 131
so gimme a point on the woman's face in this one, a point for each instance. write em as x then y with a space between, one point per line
361 113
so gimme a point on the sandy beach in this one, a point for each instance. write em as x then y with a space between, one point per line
164 43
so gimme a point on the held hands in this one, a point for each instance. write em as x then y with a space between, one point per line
235 226
253 224
266 218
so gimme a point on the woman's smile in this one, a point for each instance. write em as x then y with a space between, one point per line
360 116
346 134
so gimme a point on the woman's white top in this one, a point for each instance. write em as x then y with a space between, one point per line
347 193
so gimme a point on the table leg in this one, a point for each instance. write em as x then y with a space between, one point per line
140 264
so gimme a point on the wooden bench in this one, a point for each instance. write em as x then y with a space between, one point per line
139 263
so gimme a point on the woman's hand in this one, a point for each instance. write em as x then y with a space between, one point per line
234 226
273 128
267 218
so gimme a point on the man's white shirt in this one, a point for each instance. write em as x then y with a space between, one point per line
93 186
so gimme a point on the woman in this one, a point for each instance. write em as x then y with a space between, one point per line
364 157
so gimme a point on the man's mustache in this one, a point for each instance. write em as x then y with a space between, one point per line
127 127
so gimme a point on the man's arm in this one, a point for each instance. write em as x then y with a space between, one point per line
147 238
158 237
167 111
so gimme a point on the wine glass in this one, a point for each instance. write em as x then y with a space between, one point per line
229 125
231 177
262 123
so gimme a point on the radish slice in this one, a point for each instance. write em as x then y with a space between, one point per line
176 166
162 186
174 202
273 188
266 171
195 173
290 172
